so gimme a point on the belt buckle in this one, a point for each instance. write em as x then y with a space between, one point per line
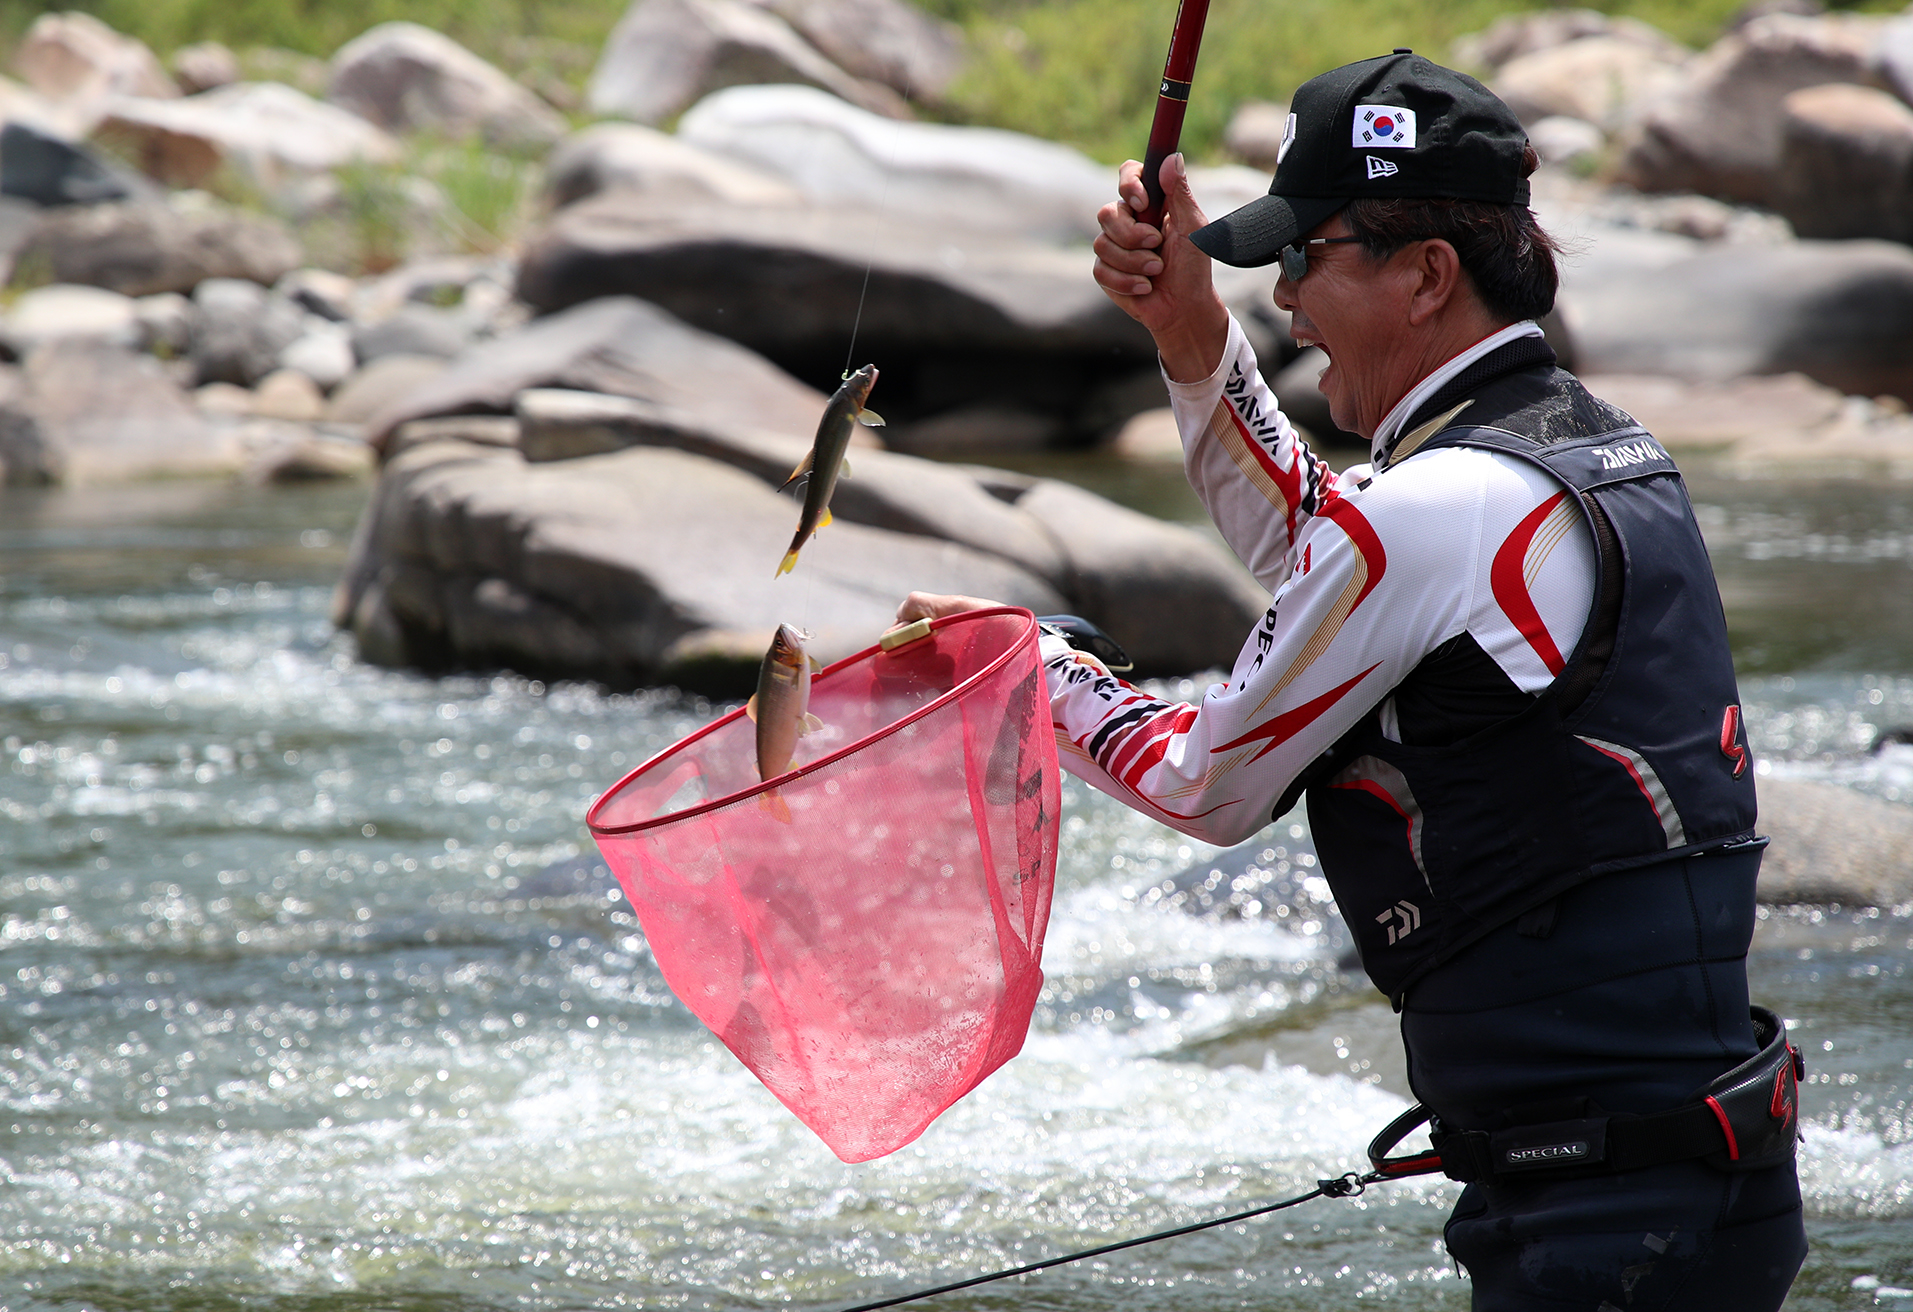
1554 1146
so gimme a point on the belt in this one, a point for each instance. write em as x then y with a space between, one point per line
1745 1120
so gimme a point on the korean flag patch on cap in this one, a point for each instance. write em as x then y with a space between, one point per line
1384 126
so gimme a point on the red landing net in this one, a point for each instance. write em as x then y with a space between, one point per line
875 957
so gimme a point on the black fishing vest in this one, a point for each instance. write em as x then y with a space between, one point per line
1633 755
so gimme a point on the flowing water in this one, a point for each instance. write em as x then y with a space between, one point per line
303 1004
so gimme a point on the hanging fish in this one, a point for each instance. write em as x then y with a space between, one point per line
826 458
781 709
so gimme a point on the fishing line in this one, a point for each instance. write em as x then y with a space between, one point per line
883 201
1346 1185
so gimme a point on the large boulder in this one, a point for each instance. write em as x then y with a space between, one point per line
204 66
408 78
1256 132
1604 80
619 345
631 157
139 249
239 331
885 490
75 58
975 317
1515 35
1839 312
82 412
637 567
1846 163
836 153
67 312
1831 844
1720 132
664 55
654 565
45 168
887 41
268 133
1895 56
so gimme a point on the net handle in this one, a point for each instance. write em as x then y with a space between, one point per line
1026 638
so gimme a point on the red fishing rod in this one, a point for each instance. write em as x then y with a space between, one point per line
1178 71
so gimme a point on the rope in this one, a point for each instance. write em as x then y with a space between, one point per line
1347 1185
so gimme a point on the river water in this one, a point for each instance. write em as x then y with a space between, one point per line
302 1007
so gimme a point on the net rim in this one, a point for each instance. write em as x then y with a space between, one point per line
1026 638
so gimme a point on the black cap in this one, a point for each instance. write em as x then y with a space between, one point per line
1399 126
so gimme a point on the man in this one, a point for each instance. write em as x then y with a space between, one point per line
1496 664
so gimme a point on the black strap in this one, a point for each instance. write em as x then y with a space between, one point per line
1599 1144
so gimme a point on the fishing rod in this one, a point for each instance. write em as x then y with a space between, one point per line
1178 72
1347 1185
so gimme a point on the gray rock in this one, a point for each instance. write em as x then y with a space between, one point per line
638 567
838 154
80 413
74 57
886 41
1846 164
1176 602
971 318
239 331
618 345
1831 844
267 133
204 66
977 431
288 394
323 353
382 385
1839 312
884 490
299 453
612 156
1720 132
41 166
1255 133
1605 80
1521 34
1895 56
408 78
412 330
319 291
479 430
664 55
68 312
141 249
165 324
1566 141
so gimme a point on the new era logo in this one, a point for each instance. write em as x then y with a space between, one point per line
1381 168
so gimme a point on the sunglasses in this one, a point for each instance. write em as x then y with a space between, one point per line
1295 256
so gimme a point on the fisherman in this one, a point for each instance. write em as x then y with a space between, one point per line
1496 664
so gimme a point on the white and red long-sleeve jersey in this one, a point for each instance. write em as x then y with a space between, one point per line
1370 572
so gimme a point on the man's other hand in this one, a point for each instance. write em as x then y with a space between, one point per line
935 605
1158 276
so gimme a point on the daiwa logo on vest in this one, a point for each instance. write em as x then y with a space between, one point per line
1624 454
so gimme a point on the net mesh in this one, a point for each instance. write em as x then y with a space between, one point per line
875 956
